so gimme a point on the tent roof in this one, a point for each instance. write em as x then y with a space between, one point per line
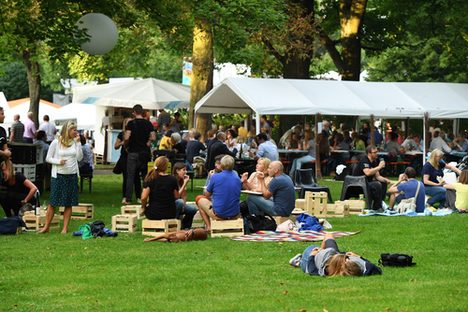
150 93
299 97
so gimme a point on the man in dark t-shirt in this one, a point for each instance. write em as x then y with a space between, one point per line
194 146
5 152
138 135
369 167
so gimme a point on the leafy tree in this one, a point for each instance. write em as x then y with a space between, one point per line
13 82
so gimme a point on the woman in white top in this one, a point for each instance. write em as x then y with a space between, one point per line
64 154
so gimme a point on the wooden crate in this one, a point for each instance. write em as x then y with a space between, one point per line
316 203
132 210
300 203
227 228
124 223
356 206
155 227
36 223
337 210
81 212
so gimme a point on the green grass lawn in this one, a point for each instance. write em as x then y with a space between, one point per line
53 272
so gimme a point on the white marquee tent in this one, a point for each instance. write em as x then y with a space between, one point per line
150 93
309 97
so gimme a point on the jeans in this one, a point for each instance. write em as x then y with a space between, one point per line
297 164
133 172
437 194
258 205
305 258
188 211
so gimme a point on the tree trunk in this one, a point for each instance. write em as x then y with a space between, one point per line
34 83
351 16
297 67
202 72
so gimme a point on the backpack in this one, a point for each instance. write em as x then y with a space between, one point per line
11 225
97 228
254 223
398 260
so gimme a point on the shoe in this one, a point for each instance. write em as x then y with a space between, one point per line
124 201
139 201
295 260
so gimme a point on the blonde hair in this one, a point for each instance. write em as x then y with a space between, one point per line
432 159
227 162
160 166
266 163
65 138
11 170
463 179
339 265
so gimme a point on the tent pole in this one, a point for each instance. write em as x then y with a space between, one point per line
372 130
425 137
257 122
456 126
318 169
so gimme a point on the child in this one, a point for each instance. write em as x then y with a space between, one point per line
327 260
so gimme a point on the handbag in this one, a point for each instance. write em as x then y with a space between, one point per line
119 165
396 259
408 204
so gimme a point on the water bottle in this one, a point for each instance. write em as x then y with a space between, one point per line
38 210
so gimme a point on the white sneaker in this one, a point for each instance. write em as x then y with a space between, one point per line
295 260
139 201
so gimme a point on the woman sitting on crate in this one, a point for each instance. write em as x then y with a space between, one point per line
15 190
182 208
160 190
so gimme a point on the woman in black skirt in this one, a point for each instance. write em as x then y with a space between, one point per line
64 154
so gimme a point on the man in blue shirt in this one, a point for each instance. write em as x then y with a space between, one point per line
221 198
406 187
279 198
266 148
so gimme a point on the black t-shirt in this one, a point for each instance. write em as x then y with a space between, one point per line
363 164
123 150
161 198
18 188
193 149
4 136
141 130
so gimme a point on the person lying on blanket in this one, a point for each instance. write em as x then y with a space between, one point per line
327 260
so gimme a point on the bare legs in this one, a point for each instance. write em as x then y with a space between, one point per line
50 215
204 208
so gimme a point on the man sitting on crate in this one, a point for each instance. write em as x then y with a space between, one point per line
279 198
369 167
221 198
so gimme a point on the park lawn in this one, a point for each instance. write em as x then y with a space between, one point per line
64 273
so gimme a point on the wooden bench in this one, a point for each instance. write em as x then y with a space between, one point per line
155 227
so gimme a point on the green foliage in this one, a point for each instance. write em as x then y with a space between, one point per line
61 272
228 119
13 81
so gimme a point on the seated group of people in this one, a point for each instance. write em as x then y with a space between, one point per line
164 195
432 183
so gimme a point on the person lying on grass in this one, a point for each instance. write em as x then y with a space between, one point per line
327 260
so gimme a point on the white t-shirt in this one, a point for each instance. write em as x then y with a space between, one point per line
49 129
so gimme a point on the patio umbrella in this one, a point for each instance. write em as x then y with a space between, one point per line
150 93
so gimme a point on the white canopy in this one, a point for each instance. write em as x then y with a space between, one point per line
308 97
21 107
150 93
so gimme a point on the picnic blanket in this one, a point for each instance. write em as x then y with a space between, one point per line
392 213
289 236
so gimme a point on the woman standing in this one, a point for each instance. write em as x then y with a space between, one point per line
18 190
432 177
64 154
188 211
159 192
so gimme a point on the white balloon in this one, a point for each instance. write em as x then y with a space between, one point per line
102 31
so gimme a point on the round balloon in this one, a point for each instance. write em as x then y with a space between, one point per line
102 32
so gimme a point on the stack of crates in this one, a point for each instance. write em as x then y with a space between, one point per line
24 158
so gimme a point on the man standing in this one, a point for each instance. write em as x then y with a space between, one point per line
279 198
138 136
4 150
369 167
48 128
163 118
29 129
17 130
266 148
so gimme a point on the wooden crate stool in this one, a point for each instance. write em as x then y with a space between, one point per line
36 223
356 206
81 212
316 203
300 203
155 227
132 210
124 223
337 210
227 228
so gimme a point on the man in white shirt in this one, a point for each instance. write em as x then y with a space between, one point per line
48 128
266 148
438 143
